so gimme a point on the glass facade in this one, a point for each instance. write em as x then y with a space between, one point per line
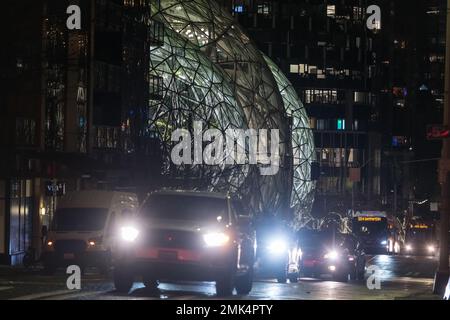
211 70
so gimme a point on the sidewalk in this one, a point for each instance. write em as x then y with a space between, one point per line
425 295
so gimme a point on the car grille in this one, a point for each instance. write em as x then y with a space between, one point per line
70 246
174 239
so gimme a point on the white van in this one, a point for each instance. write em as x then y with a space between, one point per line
83 228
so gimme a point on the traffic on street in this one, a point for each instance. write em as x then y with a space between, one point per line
401 277
225 150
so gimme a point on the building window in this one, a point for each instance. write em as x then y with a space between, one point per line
321 124
358 13
156 87
294 68
238 8
340 124
320 96
156 34
264 8
25 132
331 11
360 97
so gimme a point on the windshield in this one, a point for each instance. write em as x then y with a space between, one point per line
79 219
185 207
370 229
315 239
419 235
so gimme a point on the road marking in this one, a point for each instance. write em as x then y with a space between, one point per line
42 295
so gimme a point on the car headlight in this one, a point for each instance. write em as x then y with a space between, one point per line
129 234
216 239
332 255
408 247
384 242
277 246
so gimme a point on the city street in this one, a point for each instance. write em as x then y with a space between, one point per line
402 277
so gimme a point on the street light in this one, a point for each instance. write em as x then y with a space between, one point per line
442 273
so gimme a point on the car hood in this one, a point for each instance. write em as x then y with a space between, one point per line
183 225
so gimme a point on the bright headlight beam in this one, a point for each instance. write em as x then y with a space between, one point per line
216 239
331 255
129 233
277 246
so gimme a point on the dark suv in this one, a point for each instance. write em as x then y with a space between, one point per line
185 235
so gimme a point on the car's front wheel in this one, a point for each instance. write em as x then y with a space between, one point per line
123 280
282 279
282 275
341 277
293 277
225 285
150 283
244 283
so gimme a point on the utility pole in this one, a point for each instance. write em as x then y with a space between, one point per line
442 274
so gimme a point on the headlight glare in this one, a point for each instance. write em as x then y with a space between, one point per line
129 233
216 239
277 246
332 255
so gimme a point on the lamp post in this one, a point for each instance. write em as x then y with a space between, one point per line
442 273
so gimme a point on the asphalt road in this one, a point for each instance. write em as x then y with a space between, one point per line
400 277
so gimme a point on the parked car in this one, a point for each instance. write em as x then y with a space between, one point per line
326 252
277 254
185 235
84 227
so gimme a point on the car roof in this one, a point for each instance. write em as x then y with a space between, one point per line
191 193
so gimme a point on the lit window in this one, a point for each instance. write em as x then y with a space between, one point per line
351 156
303 68
331 11
312 69
341 124
321 124
238 8
357 13
294 68
360 97
264 8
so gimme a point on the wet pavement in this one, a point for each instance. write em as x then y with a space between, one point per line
400 277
